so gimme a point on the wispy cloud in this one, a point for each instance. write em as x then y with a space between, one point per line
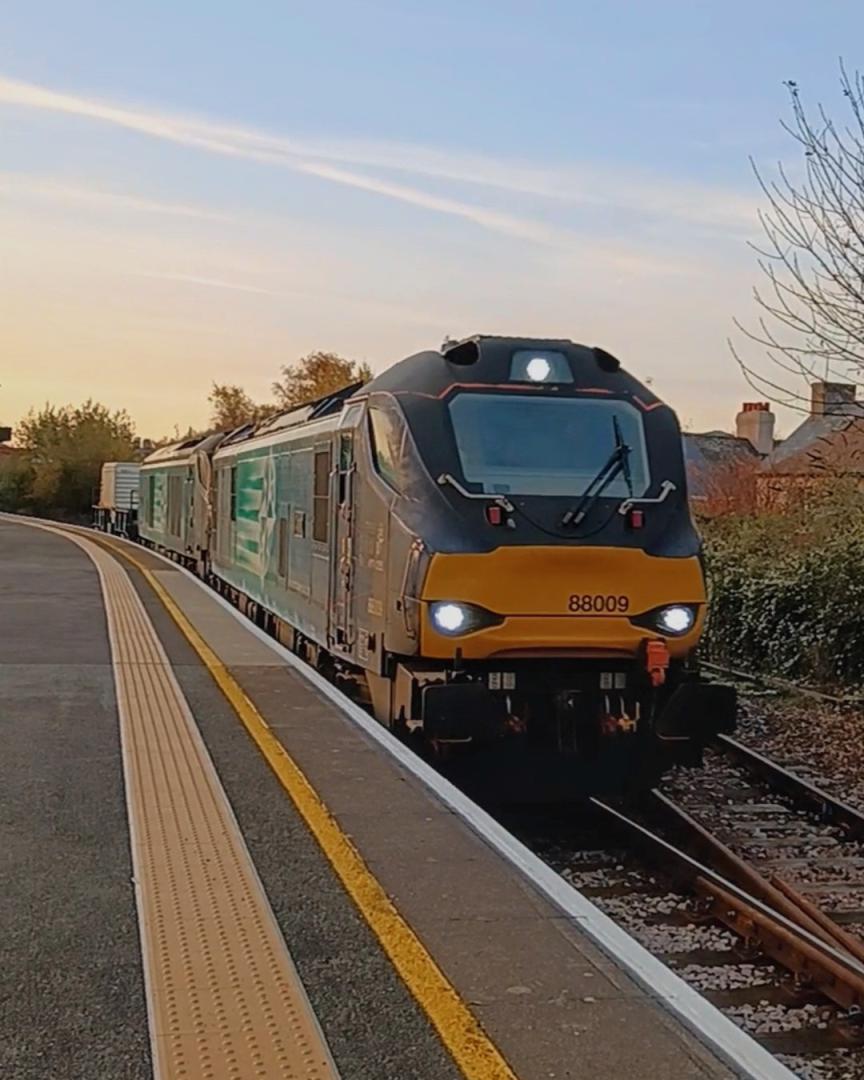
237 142
370 304
24 186
325 158
206 282
578 185
510 224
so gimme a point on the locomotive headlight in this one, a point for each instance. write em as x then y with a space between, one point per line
449 618
452 619
676 619
538 369
672 619
540 366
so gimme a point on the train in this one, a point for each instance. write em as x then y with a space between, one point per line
489 545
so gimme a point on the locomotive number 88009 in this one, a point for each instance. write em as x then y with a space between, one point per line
596 605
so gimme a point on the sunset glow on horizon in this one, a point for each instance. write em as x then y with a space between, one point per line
162 230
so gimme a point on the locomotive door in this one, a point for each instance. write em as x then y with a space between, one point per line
342 623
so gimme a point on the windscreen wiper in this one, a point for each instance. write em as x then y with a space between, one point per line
618 462
624 450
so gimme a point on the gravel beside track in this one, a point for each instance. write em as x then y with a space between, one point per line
779 839
815 1038
820 742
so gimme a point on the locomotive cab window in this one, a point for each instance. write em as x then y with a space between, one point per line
351 416
386 436
519 444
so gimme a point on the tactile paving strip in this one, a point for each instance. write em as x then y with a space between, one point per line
224 999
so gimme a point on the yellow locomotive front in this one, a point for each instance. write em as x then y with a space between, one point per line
587 601
550 601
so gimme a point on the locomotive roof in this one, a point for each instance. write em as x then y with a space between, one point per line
482 359
184 448
486 359
328 405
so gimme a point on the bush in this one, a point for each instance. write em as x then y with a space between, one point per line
16 479
787 591
62 450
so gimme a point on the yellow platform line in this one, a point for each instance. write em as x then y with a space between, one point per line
471 1048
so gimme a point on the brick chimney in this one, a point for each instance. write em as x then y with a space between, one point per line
832 399
756 423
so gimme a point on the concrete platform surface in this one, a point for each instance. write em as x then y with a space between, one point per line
72 999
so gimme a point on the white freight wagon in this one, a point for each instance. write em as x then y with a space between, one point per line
117 508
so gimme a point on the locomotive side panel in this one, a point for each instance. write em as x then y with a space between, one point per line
271 534
151 504
385 551
406 496
407 559
165 516
202 508
372 517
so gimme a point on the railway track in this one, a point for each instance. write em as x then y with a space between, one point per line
777 835
749 882
788 686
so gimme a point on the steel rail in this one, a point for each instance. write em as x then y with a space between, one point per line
839 976
806 794
853 945
705 844
812 798
776 683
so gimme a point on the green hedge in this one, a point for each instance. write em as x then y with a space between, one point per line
787 592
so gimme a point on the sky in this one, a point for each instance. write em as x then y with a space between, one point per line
197 192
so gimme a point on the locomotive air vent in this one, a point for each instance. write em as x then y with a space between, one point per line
606 361
461 352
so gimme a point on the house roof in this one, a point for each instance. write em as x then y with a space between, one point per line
821 444
829 440
707 453
813 430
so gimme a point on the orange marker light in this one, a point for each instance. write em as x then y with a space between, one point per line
656 661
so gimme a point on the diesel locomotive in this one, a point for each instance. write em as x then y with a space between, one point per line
489 543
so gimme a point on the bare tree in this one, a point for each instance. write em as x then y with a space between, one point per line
811 323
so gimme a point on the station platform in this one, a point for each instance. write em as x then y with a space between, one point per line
211 870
